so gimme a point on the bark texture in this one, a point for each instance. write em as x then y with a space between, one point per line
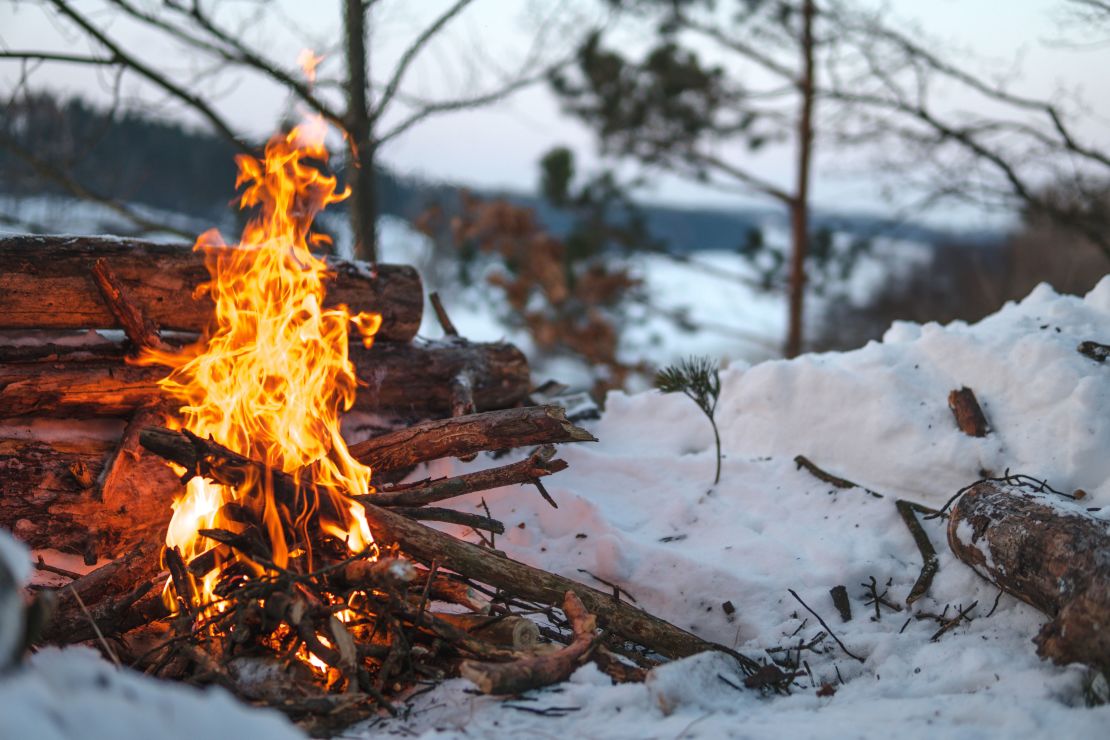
47 282
410 381
1050 553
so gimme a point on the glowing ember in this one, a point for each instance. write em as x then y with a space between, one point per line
272 375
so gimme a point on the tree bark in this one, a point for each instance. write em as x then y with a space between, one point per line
465 435
406 381
362 205
967 412
47 282
1048 552
799 206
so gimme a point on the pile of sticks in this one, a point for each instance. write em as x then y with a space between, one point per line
327 640
85 484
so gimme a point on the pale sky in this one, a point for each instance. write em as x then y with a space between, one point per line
500 145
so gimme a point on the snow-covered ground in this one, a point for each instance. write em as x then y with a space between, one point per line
638 509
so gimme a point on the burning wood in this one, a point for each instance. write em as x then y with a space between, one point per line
47 282
409 381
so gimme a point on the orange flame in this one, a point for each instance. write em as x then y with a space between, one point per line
272 375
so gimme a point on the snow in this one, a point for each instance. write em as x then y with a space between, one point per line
638 509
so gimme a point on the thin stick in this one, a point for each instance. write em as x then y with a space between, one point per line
804 462
930 563
441 315
96 628
136 325
450 516
537 465
827 627
44 566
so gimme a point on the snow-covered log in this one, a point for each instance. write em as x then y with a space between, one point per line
1047 551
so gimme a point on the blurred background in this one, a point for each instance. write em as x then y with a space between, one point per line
609 184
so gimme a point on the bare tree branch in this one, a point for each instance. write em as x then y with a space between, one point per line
49 172
194 101
42 56
412 52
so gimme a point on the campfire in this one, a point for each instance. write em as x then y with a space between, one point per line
250 545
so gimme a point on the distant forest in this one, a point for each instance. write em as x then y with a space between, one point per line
138 158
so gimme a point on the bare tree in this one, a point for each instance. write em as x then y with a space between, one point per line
371 112
726 80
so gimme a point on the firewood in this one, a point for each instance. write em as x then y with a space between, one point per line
540 670
410 381
138 327
42 502
104 599
465 435
1049 552
428 545
46 282
969 416
531 469
509 631
526 582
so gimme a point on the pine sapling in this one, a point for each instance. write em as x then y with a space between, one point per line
699 379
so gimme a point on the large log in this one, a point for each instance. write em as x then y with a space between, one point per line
1048 552
84 496
410 381
47 282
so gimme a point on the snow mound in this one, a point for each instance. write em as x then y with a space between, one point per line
639 509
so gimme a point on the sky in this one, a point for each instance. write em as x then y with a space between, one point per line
499 146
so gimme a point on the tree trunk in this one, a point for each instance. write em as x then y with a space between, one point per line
799 206
1048 552
47 282
362 205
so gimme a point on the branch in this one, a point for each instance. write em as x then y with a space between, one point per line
449 106
49 172
194 101
411 53
42 56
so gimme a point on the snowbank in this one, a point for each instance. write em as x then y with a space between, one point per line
638 508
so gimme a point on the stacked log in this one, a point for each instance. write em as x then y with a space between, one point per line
99 494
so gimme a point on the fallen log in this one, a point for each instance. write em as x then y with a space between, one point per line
1050 553
46 282
465 435
410 381
85 495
